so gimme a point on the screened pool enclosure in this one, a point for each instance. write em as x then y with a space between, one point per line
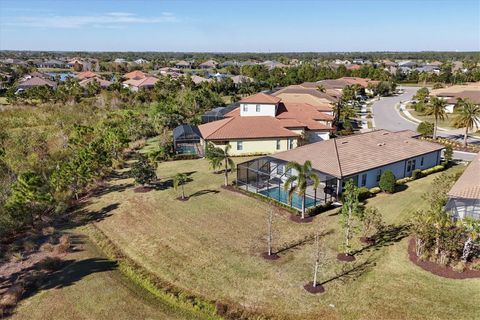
267 176
186 139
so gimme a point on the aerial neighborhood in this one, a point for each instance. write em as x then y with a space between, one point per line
229 160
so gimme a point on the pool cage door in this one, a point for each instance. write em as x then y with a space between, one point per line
267 177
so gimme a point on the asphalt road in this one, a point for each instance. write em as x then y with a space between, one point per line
386 116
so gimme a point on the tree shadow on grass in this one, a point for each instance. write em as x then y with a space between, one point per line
300 242
203 192
351 271
103 190
390 235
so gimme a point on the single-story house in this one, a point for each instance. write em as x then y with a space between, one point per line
464 197
362 158
140 84
141 61
452 94
35 82
183 64
210 64
102 82
86 75
240 79
135 75
264 124
197 79
53 63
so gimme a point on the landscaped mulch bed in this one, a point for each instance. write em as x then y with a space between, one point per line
314 290
142 189
273 256
367 240
298 219
182 199
345 257
439 270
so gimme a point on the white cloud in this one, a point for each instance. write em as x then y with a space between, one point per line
111 19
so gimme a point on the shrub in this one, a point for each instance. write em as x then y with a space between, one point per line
11 297
417 174
47 247
387 181
404 180
459 267
420 107
185 156
448 154
475 266
425 128
50 264
375 190
431 170
63 245
319 209
363 193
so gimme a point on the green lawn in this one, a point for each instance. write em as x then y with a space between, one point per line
92 288
210 246
447 123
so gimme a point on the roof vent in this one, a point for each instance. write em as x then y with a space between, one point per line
381 144
344 142
385 133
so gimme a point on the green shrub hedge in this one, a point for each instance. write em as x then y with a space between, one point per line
363 193
431 170
417 174
387 181
375 190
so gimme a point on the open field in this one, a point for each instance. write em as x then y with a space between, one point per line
210 246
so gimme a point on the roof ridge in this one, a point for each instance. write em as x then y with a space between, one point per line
338 158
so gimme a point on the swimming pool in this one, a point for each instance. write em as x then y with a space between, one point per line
281 195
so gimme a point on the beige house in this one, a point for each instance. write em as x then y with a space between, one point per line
264 124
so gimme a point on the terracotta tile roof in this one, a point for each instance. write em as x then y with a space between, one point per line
346 156
261 98
137 74
468 185
86 75
145 82
301 111
103 83
299 89
244 128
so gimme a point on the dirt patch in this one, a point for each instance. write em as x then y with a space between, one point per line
142 189
273 256
437 269
314 290
367 240
182 199
298 219
345 257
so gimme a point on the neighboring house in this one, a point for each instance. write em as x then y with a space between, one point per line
197 79
464 197
183 64
120 61
353 66
210 64
86 75
141 61
453 93
140 84
241 79
135 75
273 64
362 158
263 124
81 65
299 94
102 82
35 81
51 64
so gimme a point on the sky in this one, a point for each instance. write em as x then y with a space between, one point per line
240 26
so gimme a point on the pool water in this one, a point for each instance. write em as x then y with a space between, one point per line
281 195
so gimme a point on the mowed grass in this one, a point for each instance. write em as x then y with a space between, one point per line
92 288
211 246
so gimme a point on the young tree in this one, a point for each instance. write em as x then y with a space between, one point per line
299 181
371 219
425 128
143 172
270 231
472 230
218 156
436 107
179 180
351 208
317 260
448 154
468 118
387 181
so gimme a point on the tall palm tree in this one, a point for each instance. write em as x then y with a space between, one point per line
298 182
218 157
436 107
469 117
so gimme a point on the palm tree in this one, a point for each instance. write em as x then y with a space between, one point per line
217 156
179 180
436 107
298 181
321 88
469 117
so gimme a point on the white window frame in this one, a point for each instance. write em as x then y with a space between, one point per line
239 145
257 108
245 108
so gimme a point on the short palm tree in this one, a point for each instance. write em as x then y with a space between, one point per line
298 182
469 117
436 107
218 157
321 88
179 180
